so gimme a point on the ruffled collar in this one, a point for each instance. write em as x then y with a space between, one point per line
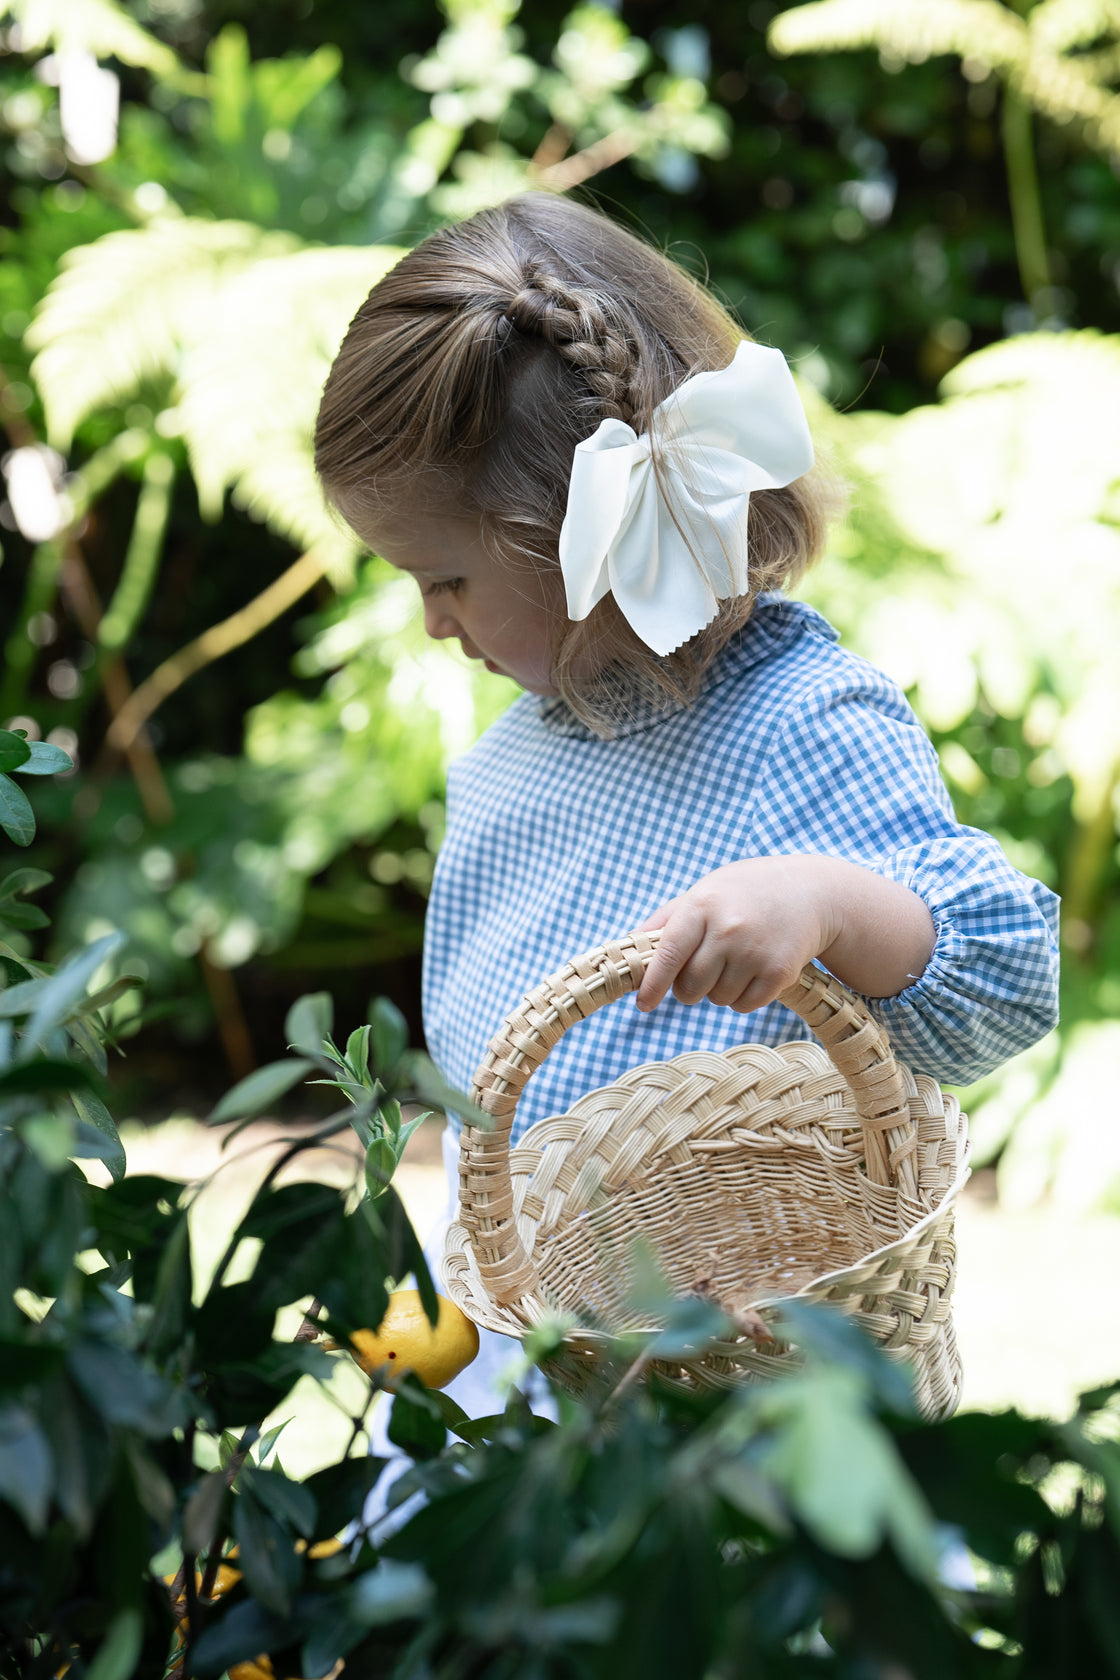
774 619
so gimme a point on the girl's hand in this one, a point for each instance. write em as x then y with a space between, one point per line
744 933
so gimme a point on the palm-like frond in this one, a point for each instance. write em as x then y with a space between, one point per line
94 26
250 384
1026 55
1062 25
123 309
1085 363
242 325
981 29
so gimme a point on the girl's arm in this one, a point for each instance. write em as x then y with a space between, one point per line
851 855
745 932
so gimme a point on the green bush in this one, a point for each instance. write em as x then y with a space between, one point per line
798 1528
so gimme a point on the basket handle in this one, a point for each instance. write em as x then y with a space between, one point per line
857 1045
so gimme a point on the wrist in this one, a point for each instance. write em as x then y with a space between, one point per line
881 935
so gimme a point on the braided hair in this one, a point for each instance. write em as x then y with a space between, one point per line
475 367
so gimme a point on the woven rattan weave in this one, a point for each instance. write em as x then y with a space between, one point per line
825 1170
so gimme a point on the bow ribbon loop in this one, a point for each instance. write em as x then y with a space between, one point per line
670 542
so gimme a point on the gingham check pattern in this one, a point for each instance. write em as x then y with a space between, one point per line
557 841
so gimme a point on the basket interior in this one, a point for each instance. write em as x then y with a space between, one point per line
716 1227
755 1193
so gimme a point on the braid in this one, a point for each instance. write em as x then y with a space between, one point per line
574 321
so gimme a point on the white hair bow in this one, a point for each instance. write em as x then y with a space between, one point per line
669 563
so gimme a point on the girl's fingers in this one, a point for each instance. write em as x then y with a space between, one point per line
700 975
658 919
682 934
764 988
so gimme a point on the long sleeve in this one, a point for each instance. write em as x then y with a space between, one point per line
852 774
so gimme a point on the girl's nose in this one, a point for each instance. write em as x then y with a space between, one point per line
439 621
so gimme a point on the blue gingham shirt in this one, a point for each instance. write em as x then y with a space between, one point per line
557 841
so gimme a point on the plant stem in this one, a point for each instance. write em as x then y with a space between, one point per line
81 599
20 652
1086 867
1026 204
213 644
233 1028
141 561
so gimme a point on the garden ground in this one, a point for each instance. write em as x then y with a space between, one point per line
1035 1317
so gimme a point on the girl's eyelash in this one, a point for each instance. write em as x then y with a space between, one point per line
442 586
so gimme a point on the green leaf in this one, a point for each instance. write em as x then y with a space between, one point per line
14 750
67 985
234 1324
93 1111
26 1466
357 1054
381 1164
267 1559
122 1389
393 1592
23 881
260 1089
289 1502
415 1425
422 1075
27 1362
691 1323
83 1452
20 998
827 1337
390 1036
402 1249
44 760
171 1299
17 819
841 1472
308 1023
243 1633
51 1136
45 1074
202 1510
118 1652
340 1492
26 917
269 1439
301 1227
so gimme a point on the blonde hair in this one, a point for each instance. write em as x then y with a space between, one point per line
478 363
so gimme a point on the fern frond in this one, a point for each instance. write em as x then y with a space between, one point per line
250 385
95 26
1060 25
1064 90
1058 86
979 29
1080 361
123 308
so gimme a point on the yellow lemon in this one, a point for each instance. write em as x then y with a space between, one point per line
260 1669
405 1341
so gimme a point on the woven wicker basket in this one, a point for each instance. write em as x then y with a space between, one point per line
828 1173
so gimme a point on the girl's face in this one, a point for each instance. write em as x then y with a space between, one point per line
506 618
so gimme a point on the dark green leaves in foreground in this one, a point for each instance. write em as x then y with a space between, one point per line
25 758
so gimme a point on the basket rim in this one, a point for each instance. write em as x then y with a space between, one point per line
823 1280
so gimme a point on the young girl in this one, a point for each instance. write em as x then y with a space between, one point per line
600 489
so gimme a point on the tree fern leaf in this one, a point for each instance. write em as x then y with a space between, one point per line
123 309
1058 87
1065 90
1060 25
1086 361
979 29
250 385
94 26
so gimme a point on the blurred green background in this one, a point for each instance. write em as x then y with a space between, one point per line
917 201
